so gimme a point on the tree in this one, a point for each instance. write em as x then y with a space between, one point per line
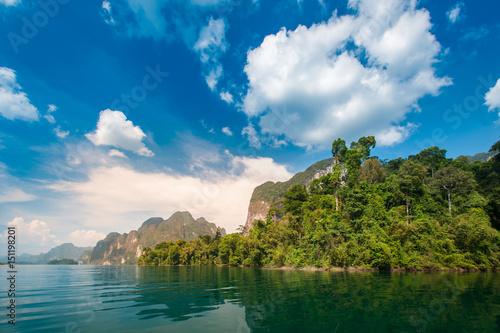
495 146
294 198
432 157
356 155
392 167
452 178
410 179
372 172
339 150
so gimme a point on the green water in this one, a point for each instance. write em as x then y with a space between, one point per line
220 299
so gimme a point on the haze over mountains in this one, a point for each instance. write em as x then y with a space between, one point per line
63 251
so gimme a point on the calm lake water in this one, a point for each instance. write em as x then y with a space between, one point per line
221 299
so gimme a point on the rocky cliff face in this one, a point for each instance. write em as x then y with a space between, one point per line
125 248
268 194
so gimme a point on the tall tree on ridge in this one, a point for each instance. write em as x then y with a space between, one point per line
339 150
451 178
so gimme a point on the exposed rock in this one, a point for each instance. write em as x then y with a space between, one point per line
268 194
125 248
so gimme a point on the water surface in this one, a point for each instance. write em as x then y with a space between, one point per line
225 299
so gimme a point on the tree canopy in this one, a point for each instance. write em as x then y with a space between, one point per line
421 212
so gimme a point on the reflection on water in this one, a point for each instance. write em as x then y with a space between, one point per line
222 299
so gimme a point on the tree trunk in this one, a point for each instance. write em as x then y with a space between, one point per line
407 207
449 201
336 198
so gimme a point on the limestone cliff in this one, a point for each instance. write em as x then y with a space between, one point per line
268 194
125 248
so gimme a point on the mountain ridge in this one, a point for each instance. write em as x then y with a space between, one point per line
267 194
63 251
117 249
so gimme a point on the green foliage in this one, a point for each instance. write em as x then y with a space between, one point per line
372 172
394 215
62 262
432 158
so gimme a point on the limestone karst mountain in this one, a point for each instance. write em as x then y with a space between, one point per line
125 248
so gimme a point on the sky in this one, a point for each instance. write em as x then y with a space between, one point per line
115 111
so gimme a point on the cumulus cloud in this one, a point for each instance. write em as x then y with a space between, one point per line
227 131
211 45
50 118
116 153
35 232
106 12
395 134
60 133
492 98
111 195
10 2
454 13
86 237
226 97
113 129
14 104
351 76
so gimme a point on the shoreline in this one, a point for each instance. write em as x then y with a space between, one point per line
342 269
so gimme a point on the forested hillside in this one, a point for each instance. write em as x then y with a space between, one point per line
423 212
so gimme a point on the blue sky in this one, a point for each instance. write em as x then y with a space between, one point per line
115 111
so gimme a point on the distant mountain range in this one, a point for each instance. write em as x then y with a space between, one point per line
63 251
125 248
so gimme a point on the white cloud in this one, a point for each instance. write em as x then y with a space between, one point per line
34 232
492 98
86 237
251 134
106 12
395 134
52 108
226 97
112 195
227 131
352 76
113 129
50 118
14 104
9 194
453 14
59 133
116 153
211 45
10 2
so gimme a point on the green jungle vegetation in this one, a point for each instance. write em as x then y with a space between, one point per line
62 262
423 212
